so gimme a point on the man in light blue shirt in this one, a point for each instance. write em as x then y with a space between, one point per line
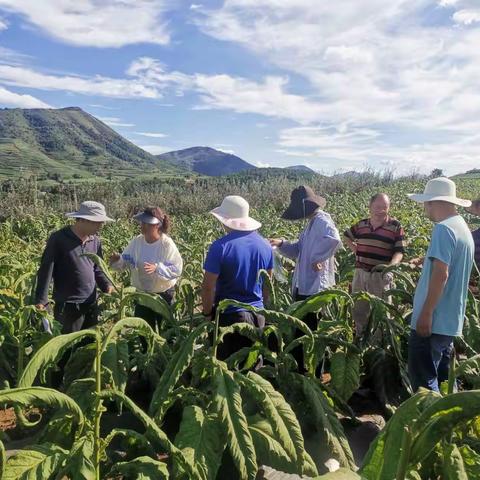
441 294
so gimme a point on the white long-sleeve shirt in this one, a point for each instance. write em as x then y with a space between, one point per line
317 244
164 253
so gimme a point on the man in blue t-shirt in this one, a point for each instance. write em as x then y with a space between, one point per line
441 294
232 269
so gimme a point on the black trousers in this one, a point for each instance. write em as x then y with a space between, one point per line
311 320
233 342
76 316
151 317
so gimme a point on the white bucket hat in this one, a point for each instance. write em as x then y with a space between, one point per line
93 211
234 214
440 189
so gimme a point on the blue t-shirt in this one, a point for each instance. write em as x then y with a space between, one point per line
451 243
237 258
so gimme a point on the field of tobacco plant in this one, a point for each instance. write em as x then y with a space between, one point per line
133 403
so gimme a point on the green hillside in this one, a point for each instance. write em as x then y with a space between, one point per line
69 143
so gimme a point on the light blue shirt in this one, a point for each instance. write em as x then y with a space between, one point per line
317 244
452 244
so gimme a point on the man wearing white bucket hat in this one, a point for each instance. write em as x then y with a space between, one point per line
232 269
75 277
440 298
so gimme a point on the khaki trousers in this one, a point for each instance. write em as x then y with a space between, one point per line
375 283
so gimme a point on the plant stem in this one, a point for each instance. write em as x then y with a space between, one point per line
98 406
404 454
215 332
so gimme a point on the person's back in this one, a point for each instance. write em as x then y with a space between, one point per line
452 243
237 258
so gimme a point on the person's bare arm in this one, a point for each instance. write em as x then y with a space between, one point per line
350 244
397 258
208 292
265 291
438 280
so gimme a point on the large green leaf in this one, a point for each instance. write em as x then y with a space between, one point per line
155 435
281 417
326 421
38 462
3 459
316 302
153 302
116 359
50 353
138 325
453 466
100 262
79 464
141 468
202 440
268 449
381 461
229 407
440 419
345 373
173 371
26 397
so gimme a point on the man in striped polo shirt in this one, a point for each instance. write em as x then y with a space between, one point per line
376 241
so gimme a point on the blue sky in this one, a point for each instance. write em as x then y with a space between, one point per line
336 86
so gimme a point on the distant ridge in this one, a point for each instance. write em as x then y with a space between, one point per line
69 143
206 161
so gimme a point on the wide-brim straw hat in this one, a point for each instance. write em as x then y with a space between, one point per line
92 211
303 202
440 189
234 213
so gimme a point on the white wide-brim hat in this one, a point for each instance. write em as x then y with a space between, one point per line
440 189
234 213
93 211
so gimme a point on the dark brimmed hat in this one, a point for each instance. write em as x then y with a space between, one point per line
303 202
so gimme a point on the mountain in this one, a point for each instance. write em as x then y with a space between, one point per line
69 143
206 161
300 168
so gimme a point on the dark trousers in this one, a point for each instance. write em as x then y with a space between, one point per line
428 360
151 317
311 319
233 342
76 316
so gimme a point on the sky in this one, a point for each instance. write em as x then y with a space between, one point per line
337 86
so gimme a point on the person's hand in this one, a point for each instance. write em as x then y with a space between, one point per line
110 289
424 324
318 267
40 306
114 257
275 242
149 267
416 262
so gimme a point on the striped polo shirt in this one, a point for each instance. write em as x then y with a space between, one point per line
476 239
376 246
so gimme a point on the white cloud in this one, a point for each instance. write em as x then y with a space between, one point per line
467 17
115 122
11 99
370 65
245 96
151 134
106 23
146 78
226 150
156 149
3 24
195 6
